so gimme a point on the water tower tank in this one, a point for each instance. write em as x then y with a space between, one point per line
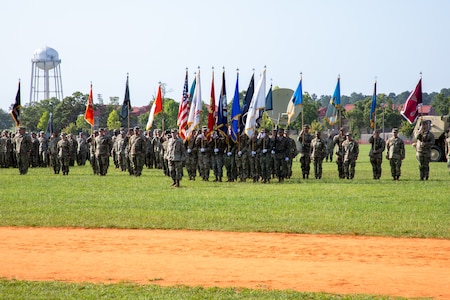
46 80
46 58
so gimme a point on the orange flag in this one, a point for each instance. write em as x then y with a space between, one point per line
89 114
156 109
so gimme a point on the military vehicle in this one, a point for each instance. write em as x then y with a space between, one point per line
439 126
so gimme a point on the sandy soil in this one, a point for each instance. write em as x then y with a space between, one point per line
334 264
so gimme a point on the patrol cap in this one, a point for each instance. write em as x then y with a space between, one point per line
41 132
174 130
341 129
281 130
204 128
262 130
63 134
378 130
102 129
317 132
394 130
306 126
348 134
22 127
136 128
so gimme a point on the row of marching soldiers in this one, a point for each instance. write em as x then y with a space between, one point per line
260 158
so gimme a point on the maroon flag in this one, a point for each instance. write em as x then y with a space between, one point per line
410 110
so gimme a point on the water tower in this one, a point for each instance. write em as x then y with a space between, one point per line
46 81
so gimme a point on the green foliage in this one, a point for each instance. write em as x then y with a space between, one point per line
81 123
113 120
71 128
407 129
309 113
6 121
441 103
43 121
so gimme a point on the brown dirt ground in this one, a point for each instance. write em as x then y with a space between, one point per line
327 263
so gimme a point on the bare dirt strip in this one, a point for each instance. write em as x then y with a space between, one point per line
318 263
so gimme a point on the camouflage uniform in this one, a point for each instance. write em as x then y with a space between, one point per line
337 141
137 147
3 149
204 154
241 158
376 153
425 140
291 153
253 159
350 150
53 149
92 159
64 151
229 160
279 154
395 153
73 147
82 150
330 148
318 153
34 152
305 139
22 143
191 157
264 146
43 150
218 145
176 154
103 145
121 150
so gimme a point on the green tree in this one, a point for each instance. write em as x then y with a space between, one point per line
71 128
6 122
113 120
68 110
441 103
82 124
308 114
43 121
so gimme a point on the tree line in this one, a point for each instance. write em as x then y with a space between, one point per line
68 114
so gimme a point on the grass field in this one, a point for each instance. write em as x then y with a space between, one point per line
363 206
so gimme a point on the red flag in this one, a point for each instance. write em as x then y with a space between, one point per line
89 114
156 109
212 109
183 110
410 110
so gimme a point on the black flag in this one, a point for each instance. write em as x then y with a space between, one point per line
15 108
126 106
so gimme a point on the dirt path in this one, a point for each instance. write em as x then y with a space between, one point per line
335 264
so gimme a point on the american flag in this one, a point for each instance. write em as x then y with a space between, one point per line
183 109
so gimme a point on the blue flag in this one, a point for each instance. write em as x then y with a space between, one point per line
235 113
222 112
334 105
373 107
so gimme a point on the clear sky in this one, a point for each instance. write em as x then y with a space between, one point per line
103 40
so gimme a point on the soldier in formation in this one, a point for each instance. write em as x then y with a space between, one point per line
176 154
425 140
376 153
337 143
395 153
318 153
64 152
305 139
22 145
350 150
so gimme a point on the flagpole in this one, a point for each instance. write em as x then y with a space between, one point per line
421 112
